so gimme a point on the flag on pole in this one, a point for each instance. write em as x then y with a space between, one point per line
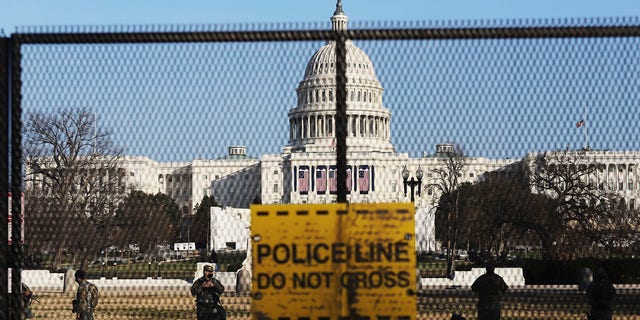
580 123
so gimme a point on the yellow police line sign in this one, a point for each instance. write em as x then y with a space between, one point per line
333 261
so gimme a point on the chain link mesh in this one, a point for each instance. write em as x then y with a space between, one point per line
176 98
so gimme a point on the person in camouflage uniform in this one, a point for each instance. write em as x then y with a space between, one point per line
86 297
207 291
27 297
490 288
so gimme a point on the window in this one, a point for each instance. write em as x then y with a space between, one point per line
632 204
275 188
471 174
132 173
275 171
430 191
230 245
353 127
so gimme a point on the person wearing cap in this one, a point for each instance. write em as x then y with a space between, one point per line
600 294
87 297
490 287
207 291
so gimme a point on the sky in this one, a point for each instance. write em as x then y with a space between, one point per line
497 98
133 12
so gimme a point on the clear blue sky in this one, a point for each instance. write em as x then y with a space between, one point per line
182 102
83 12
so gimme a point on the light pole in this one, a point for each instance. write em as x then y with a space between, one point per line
413 182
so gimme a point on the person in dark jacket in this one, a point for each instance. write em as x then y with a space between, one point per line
207 291
600 294
490 287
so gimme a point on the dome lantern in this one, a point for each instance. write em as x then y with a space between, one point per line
339 19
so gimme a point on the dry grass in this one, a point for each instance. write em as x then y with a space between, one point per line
138 305
432 304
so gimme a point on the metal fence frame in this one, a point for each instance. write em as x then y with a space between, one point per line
10 98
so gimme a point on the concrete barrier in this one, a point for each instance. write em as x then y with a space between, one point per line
513 277
43 280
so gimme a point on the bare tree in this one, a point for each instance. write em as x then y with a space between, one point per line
498 201
73 182
617 230
578 198
449 214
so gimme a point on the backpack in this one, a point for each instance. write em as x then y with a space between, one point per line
92 295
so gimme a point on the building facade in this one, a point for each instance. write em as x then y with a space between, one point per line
305 170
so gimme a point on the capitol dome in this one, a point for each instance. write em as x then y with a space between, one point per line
312 121
323 63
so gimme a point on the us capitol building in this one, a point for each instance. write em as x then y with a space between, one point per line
305 171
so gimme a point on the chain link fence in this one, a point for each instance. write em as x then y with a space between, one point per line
139 151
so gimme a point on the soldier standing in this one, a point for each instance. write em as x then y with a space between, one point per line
86 297
207 291
600 294
490 288
27 297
